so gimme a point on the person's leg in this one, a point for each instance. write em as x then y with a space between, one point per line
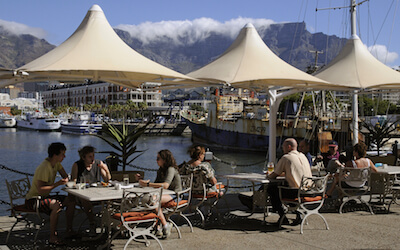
69 203
55 208
273 192
164 199
88 208
166 226
333 186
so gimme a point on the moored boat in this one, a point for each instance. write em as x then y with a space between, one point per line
81 123
238 128
39 121
7 121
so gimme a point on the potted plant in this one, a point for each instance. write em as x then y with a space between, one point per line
123 140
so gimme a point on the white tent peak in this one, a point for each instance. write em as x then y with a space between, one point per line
356 67
354 37
95 51
249 63
96 7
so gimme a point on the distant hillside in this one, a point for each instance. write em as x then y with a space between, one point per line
16 51
290 41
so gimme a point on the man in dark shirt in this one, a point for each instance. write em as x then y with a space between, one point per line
333 153
304 147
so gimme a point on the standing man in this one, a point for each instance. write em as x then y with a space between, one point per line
42 184
295 165
304 147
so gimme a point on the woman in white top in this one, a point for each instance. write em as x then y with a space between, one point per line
359 153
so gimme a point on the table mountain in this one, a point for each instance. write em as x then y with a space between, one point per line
290 41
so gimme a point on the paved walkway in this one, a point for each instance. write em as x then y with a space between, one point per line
350 230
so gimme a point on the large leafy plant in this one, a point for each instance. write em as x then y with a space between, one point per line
379 133
123 140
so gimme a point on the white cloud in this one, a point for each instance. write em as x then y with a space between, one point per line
381 53
19 29
199 29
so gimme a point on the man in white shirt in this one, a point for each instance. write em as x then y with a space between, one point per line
294 165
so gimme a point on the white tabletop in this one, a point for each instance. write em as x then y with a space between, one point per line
253 177
389 169
108 193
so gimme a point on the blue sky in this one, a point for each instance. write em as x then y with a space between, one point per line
56 20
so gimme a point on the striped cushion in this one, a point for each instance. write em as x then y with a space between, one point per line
172 203
136 216
305 199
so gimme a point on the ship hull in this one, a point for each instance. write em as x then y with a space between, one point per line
257 139
81 129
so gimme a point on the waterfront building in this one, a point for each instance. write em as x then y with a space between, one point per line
20 103
103 93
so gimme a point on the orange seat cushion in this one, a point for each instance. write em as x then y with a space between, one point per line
136 216
305 199
172 203
220 186
209 195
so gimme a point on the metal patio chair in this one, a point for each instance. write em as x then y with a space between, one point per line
180 203
356 175
204 197
381 190
138 215
17 190
310 198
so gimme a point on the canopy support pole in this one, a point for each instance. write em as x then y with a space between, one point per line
274 101
355 117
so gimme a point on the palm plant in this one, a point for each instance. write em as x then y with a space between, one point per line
123 141
380 133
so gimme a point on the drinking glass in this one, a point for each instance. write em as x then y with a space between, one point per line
271 167
126 179
265 167
233 165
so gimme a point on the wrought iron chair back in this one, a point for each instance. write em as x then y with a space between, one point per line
357 177
17 190
310 198
139 208
180 203
381 186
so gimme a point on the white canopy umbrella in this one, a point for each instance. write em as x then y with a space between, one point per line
249 63
356 67
94 51
6 74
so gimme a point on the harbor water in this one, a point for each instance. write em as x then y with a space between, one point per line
24 150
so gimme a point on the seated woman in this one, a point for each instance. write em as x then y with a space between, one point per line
89 170
359 153
197 163
168 178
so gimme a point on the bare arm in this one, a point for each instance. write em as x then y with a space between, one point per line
74 172
105 173
272 176
43 188
147 183
213 180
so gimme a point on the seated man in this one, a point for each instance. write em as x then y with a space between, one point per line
332 154
294 165
43 183
304 147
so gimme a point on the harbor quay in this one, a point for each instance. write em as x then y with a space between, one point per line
231 229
